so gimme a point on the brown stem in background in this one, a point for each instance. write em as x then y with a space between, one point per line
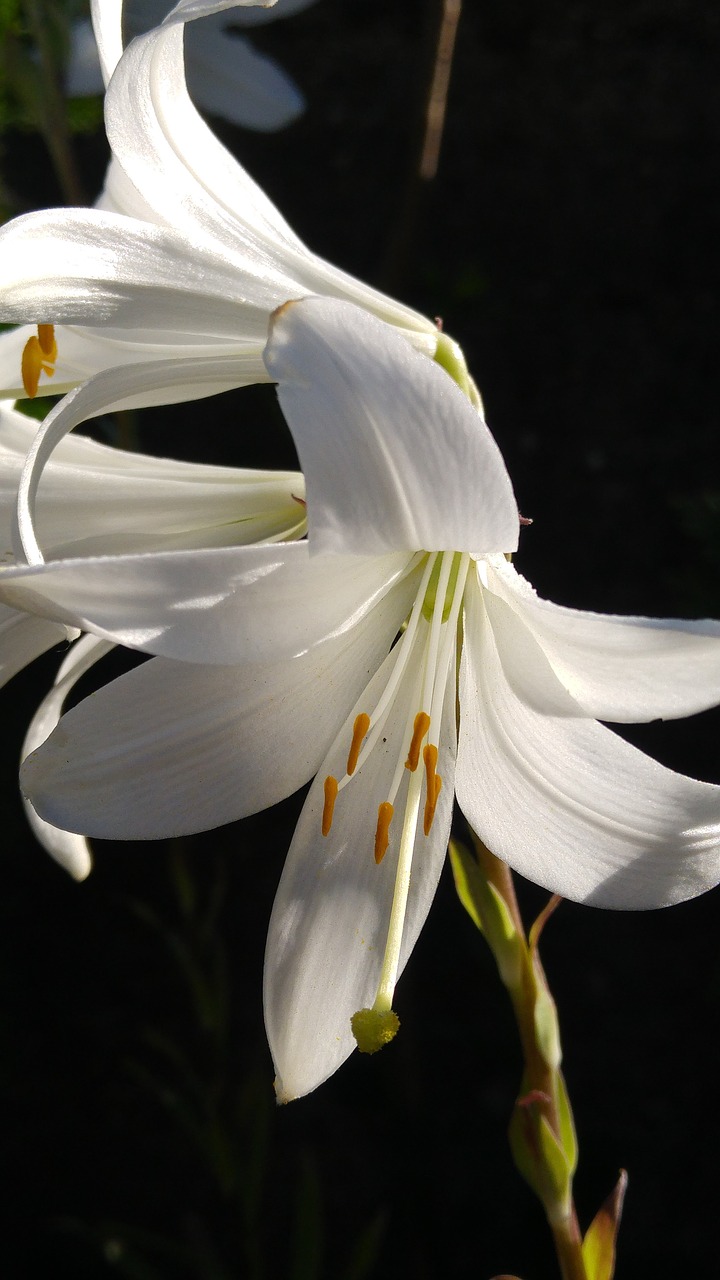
54 115
443 17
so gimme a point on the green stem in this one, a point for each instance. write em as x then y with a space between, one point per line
541 1078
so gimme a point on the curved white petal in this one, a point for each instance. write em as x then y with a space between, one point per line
228 78
71 850
394 454
194 185
622 669
97 500
173 748
93 266
126 388
559 797
85 352
23 637
107 26
227 605
329 923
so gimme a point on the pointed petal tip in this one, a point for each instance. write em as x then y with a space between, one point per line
282 1097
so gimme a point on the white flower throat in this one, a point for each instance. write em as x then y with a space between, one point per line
423 656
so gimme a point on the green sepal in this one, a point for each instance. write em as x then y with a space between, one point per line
547 1030
489 912
568 1137
541 1160
598 1247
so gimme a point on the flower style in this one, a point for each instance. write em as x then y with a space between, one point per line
345 657
226 76
180 265
103 501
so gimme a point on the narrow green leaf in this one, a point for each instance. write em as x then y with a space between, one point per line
598 1249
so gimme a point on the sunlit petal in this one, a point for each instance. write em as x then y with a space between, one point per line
330 919
384 436
172 748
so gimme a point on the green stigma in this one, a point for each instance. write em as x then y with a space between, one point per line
374 1028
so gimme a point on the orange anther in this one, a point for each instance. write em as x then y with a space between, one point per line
433 783
362 724
39 356
46 338
382 833
422 724
331 790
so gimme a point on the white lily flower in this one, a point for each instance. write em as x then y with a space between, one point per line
184 260
226 75
104 501
345 657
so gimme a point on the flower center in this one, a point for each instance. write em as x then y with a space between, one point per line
39 356
423 656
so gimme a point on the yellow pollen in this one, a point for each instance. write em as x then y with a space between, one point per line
382 833
331 790
374 1028
422 724
433 783
362 724
39 356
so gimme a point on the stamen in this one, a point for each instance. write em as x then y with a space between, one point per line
331 790
422 724
39 356
382 832
362 724
46 338
433 783
374 1028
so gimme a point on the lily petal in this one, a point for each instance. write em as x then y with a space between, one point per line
562 799
194 185
72 851
84 352
172 748
97 500
623 669
329 923
113 389
223 605
384 435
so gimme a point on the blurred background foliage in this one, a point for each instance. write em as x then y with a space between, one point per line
570 243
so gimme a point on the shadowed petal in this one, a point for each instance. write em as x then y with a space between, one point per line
71 850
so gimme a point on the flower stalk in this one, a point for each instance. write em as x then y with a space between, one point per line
542 1132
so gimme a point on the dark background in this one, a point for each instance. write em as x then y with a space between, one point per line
570 244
